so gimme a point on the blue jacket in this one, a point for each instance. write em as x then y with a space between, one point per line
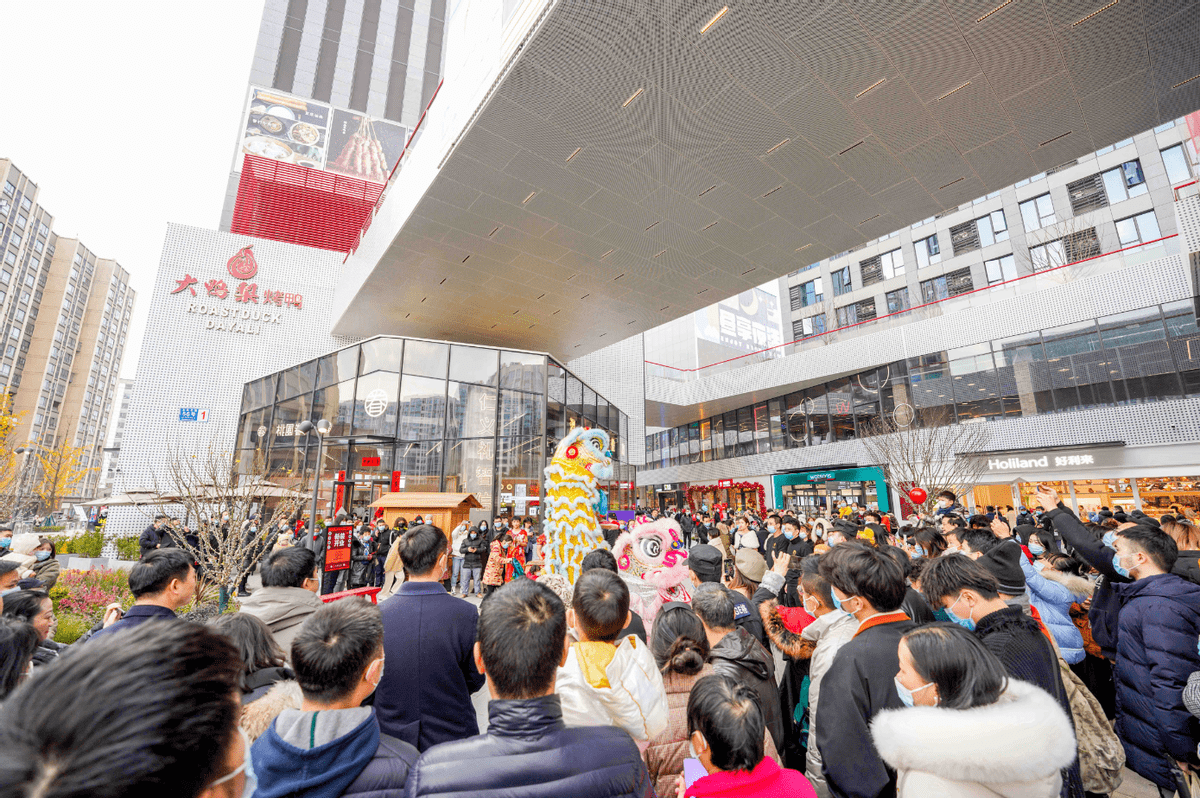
528 752
1106 605
321 755
429 640
1053 601
136 616
1156 652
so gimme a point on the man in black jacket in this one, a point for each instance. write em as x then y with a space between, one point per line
151 537
869 585
970 594
527 749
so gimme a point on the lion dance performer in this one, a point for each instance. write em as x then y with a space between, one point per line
653 562
572 528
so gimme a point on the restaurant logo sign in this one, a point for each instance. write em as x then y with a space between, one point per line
249 309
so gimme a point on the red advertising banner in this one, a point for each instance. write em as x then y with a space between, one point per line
340 495
371 462
396 475
337 548
724 483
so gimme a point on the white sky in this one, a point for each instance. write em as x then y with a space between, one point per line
125 113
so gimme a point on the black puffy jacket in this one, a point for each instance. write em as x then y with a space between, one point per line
744 659
529 752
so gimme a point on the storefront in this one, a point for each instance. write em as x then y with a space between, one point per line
1154 479
821 492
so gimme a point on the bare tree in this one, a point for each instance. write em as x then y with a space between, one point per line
1066 242
222 495
928 450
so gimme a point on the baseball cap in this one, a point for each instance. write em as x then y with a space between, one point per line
705 561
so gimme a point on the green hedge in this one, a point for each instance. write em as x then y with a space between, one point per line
71 628
85 544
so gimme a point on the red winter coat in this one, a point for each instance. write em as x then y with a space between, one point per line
767 780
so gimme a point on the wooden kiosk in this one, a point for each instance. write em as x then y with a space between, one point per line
443 510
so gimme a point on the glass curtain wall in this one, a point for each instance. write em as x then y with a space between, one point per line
419 415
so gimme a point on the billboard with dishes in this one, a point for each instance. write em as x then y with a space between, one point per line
284 127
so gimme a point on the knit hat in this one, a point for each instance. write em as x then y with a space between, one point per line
1140 518
1004 563
25 543
751 563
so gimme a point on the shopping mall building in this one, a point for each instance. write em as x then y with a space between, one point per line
1005 241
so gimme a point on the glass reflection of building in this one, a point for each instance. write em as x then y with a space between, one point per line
447 417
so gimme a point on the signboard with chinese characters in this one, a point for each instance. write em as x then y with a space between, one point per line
748 322
237 305
193 414
337 550
1018 463
724 483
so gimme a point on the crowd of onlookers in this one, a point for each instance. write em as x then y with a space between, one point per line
956 655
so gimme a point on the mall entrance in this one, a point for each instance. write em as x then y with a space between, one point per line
820 493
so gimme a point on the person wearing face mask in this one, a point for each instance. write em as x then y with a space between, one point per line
71 731
869 585
970 595
1052 597
332 745
793 539
947 502
8 577
362 556
958 703
1156 652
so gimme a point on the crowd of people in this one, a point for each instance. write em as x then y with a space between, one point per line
1023 654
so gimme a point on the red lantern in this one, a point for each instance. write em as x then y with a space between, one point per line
917 495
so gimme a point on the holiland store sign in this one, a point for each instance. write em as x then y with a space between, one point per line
239 306
1052 459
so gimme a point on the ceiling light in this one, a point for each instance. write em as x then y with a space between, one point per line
653 224
464 260
873 85
1094 13
664 307
993 11
952 182
659 254
705 191
632 97
947 94
603 334
806 246
1056 138
777 146
1189 80
698 293
619 276
864 221
606 254
724 10
772 191
632 321
710 224
527 199
852 146
585 296
494 229
443 282
752 268
541 296
572 155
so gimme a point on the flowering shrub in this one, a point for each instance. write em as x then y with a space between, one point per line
87 593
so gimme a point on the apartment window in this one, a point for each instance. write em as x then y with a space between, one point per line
11 351
841 281
53 352
1037 213
37 419
858 312
20 315
1112 147
1124 182
43 230
1087 194
992 228
981 232
1000 269
5 370
9 188
38 246
928 252
1176 162
948 285
1075 247
807 294
26 204
1138 229
897 300
22 220
25 297
882 267
15 332
807 327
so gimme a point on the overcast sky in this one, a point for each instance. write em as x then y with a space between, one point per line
125 113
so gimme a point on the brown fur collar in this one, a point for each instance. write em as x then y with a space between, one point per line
790 643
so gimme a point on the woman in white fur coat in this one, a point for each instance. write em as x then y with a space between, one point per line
969 731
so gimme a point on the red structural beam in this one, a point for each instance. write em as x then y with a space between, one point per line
285 202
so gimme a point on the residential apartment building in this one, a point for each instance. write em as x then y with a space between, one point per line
66 318
112 451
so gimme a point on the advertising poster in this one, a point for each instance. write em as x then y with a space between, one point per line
337 552
744 323
363 147
282 127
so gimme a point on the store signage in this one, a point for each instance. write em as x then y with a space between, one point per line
724 483
193 414
1030 461
340 500
376 402
822 477
224 317
337 550
665 488
397 481
371 462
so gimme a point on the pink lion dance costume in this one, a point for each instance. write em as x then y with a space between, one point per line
653 562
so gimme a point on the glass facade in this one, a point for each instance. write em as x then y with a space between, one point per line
423 415
1139 356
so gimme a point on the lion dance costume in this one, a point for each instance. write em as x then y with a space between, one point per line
653 562
572 528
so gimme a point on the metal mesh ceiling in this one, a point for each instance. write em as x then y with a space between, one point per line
630 168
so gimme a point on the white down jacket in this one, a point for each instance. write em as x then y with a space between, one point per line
602 684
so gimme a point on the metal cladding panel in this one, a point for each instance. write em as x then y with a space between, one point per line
778 125
201 348
309 207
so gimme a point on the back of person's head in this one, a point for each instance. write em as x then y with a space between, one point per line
979 521
932 542
1065 563
857 569
1156 544
147 713
713 603
420 548
253 640
25 605
599 558
728 715
955 520
1185 534
965 672
334 647
600 603
521 631
896 553
154 573
290 567
7 566
978 541
677 640
950 575
17 642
